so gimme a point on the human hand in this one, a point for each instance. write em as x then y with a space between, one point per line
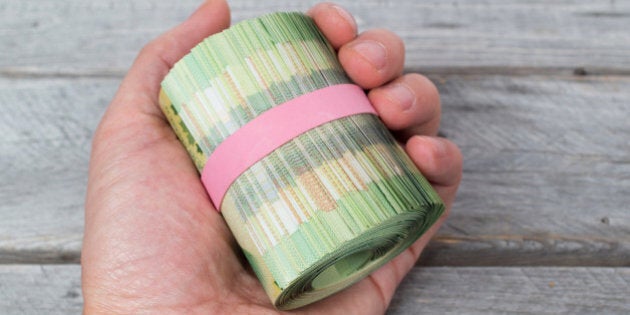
153 242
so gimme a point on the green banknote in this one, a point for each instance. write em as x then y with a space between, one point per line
325 209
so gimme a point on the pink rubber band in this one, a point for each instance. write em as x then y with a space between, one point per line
275 127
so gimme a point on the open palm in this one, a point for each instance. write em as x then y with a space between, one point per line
154 243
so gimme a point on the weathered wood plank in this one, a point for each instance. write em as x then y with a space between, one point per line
55 289
46 128
547 169
76 37
40 289
514 290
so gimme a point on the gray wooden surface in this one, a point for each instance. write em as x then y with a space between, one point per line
536 93
427 290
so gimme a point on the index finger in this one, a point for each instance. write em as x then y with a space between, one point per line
335 22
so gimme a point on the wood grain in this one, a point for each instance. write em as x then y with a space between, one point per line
514 291
101 38
39 289
546 172
44 148
55 289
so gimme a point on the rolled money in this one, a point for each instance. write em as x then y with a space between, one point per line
321 210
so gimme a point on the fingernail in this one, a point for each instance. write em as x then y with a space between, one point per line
374 52
440 146
401 94
345 15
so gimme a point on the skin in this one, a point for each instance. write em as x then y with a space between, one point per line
154 243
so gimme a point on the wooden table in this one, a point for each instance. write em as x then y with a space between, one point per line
537 94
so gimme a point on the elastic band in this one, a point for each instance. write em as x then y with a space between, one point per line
275 127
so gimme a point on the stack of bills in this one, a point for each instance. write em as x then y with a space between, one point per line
321 211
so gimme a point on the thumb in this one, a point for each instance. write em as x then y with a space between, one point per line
156 58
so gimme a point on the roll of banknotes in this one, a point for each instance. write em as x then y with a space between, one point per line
313 186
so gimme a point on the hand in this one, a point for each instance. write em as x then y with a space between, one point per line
154 244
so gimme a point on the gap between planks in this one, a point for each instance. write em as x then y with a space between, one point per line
427 290
578 71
